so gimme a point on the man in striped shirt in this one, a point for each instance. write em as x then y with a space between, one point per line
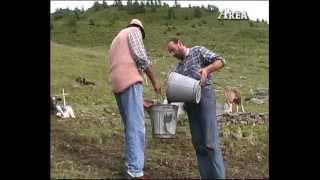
199 63
128 61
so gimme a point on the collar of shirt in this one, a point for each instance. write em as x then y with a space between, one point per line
184 58
187 52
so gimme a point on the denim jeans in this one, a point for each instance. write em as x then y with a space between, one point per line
205 136
130 104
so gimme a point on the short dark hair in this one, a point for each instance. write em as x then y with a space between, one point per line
141 29
175 40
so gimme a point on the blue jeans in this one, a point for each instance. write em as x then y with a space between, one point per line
205 136
130 104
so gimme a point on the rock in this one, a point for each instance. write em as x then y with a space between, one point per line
243 122
245 134
259 157
237 135
242 118
219 109
243 77
226 133
107 110
113 114
256 101
261 92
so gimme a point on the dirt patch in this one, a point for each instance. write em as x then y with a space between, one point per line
164 158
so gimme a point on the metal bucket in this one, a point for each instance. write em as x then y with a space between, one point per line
163 120
182 88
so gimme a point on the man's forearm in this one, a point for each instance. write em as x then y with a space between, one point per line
150 74
216 65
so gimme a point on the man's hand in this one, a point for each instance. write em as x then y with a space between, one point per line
204 75
216 65
156 86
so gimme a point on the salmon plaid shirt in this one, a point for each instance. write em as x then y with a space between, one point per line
137 50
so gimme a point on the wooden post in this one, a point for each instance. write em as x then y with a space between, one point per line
64 98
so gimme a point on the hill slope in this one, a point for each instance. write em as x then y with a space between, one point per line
89 146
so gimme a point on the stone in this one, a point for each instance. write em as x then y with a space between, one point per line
256 101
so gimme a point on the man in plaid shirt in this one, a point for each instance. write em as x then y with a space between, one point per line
198 63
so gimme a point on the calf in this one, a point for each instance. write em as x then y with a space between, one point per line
232 96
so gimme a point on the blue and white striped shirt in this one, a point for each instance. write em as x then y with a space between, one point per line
196 58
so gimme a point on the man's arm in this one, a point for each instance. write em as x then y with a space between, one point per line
211 61
154 81
137 50
139 53
216 65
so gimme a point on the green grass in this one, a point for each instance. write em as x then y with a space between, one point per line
91 146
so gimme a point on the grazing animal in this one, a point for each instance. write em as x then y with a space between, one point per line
65 112
83 81
62 111
232 96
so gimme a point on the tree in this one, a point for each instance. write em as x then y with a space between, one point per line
197 13
117 3
142 8
251 24
136 8
190 6
159 3
76 14
96 6
148 4
153 9
214 8
129 3
176 3
171 14
59 13
104 4
71 21
165 5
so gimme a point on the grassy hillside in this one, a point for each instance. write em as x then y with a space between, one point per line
91 145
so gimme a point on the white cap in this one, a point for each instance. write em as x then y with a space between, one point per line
137 22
